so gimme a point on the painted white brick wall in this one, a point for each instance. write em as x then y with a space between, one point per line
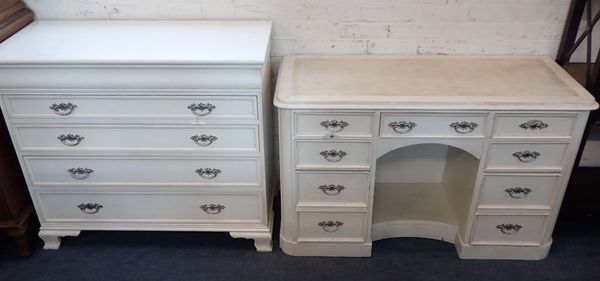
359 26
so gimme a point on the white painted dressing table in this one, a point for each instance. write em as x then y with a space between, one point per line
143 125
472 150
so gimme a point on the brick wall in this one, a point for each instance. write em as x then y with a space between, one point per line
358 26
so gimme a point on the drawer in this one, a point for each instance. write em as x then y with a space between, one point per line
341 188
518 190
145 171
433 125
526 156
326 124
171 138
533 125
508 230
142 109
59 206
333 227
333 154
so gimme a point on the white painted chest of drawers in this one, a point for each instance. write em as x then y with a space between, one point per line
138 125
475 151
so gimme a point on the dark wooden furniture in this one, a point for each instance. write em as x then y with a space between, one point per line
579 198
15 205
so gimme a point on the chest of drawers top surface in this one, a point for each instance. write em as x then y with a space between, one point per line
139 55
138 42
428 82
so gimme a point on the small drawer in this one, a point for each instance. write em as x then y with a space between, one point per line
340 188
325 125
72 138
145 171
349 155
526 156
534 125
142 109
331 227
433 125
508 230
104 207
499 191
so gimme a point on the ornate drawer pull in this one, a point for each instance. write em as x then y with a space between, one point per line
464 128
331 226
208 173
334 126
333 155
70 139
201 109
212 209
62 108
509 228
518 192
80 173
534 125
526 156
332 189
90 208
402 127
204 140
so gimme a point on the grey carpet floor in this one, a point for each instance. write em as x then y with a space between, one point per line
167 256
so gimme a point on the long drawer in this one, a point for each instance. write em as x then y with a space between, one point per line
68 138
150 207
142 109
433 125
147 171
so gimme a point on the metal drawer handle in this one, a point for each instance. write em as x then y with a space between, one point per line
330 226
90 208
333 155
334 126
70 139
62 108
332 189
534 125
464 128
402 127
204 140
201 109
526 156
518 192
80 173
212 209
208 173
509 228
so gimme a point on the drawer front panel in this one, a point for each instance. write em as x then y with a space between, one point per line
141 171
90 207
508 125
518 190
174 138
62 108
333 188
342 227
508 230
433 125
333 154
524 156
323 125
